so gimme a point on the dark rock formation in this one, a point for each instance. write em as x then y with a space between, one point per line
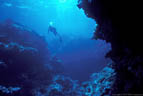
117 24
26 68
25 62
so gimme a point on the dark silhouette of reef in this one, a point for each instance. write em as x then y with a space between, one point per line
118 24
27 68
25 61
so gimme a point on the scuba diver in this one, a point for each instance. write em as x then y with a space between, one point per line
53 30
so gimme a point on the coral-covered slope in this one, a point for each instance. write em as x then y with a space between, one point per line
117 24
25 61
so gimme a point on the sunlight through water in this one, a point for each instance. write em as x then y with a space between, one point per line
73 45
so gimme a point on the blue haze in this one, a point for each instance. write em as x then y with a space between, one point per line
80 55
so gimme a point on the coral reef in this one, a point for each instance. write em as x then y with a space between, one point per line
27 69
25 61
116 26
100 83
9 90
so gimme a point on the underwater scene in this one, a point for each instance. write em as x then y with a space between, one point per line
61 48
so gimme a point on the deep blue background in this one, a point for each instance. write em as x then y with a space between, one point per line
80 55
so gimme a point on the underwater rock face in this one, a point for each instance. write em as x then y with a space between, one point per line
116 26
27 69
100 83
25 62
20 77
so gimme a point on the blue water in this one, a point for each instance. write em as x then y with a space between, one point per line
77 51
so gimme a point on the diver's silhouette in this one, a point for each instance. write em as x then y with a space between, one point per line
54 31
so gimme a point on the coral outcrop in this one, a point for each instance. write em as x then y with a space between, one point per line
117 24
25 61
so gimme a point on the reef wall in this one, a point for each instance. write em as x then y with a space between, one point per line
28 69
117 24
25 61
